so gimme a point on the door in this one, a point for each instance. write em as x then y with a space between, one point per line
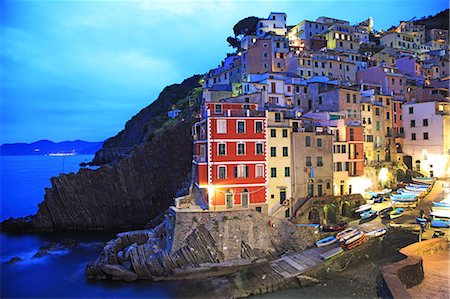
229 199
244 198
282 196
342 190
310 190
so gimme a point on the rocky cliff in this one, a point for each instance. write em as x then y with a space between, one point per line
141 127
127 195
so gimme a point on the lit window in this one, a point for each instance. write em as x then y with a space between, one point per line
221 126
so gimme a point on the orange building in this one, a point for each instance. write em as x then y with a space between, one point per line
230 156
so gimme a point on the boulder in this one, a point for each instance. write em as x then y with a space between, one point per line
119 272
14 260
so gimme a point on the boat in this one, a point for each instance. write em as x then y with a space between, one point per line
331 253
416 192
355 243
385 211
399 195
405 199
441 204
396 213
419 185
376 233
354 237
427 181
416 189
404 204
334 227
439 224
368 214
327 241
382 192
421 220
349 231
364 208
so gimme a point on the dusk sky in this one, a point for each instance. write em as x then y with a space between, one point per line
81 69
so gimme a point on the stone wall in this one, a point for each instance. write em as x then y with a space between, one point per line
328 210
201 241
404 274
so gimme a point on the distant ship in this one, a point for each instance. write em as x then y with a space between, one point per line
62 154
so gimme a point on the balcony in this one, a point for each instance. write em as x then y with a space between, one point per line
199 158
236 112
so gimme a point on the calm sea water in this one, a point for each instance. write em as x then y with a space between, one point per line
61 273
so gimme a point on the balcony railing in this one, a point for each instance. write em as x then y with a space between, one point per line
236 112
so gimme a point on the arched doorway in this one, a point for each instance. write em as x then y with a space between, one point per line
346 210
408 161
313 216
329 211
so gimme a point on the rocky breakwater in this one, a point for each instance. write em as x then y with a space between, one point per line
188 244
125 196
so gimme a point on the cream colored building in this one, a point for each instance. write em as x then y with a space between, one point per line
279 168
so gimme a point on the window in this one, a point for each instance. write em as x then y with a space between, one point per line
319 161
221 126
354 99
222 149
425 136
273 133
273 151
413 136
259 171
285 133
413 123
273 172
272 87
344 148
348 98
339 166
411 110
377 125
277 117
425 122
241 171
388 115
320 100
258 126
259 148
222 173
285 151
241 149
308 161
241 126
319 142
287 172
377 111
308 141
218 108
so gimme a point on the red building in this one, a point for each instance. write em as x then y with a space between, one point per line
230 156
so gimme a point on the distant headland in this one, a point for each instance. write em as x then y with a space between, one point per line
47 147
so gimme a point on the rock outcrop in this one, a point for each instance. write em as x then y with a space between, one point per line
190 242
125 196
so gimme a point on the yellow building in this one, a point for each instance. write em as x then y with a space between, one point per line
279 168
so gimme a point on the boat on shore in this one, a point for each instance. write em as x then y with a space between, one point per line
356 243
385 212
417 189
420 180
348 232
354 237
419 185
396 213
376 233
326 241
368 214
331 253
363 208
441 204
439 224
400 195
334 227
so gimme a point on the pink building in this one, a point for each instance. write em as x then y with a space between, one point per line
389 78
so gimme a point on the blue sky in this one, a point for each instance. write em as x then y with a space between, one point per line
81 69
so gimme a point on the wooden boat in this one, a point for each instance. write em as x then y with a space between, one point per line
427 181
334 227
364 208
441 204
327 241
419 185
354 237
331 253
376 233
385 211
405 199
349 231
439 224
396 213
356 243
416 192
417 189
421 220
368 214
399 195
404 204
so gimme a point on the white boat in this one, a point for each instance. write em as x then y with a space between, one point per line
417 189
419 185
325 242
354 237
349 231
404 191
376 233
427 181
363 208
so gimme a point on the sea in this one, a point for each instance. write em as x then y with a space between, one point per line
60 274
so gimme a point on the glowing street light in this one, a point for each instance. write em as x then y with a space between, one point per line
383 175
